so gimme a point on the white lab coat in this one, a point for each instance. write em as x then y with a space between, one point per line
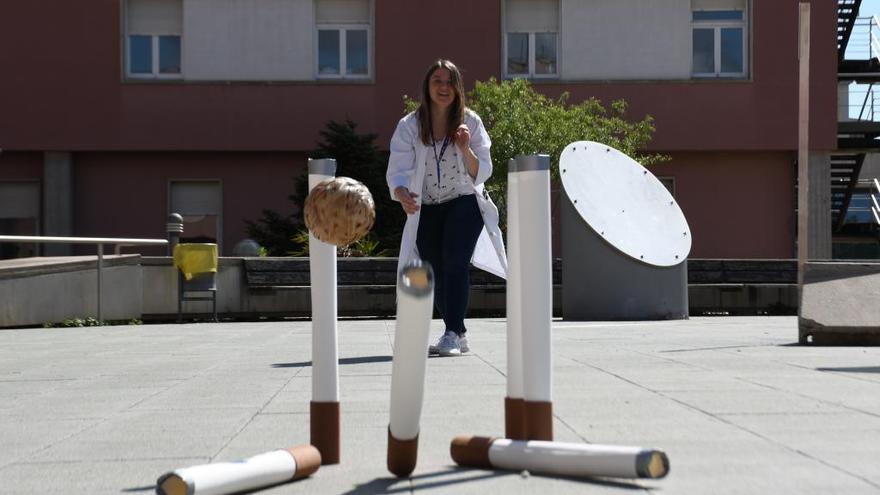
406 167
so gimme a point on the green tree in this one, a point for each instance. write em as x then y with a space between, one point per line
521 121
358 157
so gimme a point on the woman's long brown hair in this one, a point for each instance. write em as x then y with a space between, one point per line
455 117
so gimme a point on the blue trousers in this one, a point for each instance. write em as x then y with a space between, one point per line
447 236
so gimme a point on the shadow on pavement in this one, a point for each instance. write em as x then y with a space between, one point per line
457 474
355 360
139 489
856 369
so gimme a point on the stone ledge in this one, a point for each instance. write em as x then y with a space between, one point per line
839 304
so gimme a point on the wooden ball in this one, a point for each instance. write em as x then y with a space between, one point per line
340 211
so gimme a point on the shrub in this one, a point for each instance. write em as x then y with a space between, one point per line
358 157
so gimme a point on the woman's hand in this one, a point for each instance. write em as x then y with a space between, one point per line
463 138
407 200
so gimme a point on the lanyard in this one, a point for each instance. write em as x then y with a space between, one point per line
438 159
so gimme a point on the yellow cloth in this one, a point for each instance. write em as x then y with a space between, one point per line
193 259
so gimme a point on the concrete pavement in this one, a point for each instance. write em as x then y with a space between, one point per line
736 405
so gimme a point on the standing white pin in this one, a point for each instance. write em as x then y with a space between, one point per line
415 305
514 405
535 272
324 407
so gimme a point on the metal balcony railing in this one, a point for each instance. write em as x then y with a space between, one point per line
863 103
875 200
864 43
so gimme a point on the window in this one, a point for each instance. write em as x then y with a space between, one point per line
343 39
720 41
19 215
531 39
199 202
153 39
668 183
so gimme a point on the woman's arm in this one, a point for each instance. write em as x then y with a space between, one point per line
402 167
475 143
463 140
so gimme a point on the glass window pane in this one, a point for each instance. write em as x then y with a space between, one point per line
140 54
731 50
718 15
169 54
356 52
545 53
517 53
704 51
328 52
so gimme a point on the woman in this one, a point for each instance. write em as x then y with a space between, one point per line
438 164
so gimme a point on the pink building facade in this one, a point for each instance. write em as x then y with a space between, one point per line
117 112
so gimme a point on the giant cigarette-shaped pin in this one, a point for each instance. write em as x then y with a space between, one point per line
514 405
324 407
259 471
558 458
536 291
415 303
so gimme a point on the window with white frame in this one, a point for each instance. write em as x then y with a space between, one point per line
531 38
153 39
720 38
343 39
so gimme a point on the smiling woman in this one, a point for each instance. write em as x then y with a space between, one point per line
439 161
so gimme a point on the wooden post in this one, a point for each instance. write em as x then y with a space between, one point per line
803 137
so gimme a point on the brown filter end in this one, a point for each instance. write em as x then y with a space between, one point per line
468 450
514 419
652 464
308 460
539 420
172 484
325 430
402 455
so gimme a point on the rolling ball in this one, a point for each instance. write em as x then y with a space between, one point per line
340 211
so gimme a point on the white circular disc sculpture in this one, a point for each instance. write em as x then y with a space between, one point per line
624 203
625 240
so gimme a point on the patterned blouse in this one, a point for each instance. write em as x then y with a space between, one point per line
447 180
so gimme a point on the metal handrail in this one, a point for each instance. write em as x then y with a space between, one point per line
99 241
864 103
875 208
864 42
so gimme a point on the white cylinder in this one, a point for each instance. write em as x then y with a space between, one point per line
514 294
248 474
322 269
575 459
415 303
536 275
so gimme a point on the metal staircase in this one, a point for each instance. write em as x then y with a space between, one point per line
847 12
855 137
845 169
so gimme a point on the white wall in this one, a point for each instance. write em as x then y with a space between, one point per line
58 290
843 102
625 39
248 40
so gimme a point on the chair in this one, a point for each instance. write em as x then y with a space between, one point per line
196 272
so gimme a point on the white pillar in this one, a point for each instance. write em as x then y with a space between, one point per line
534 239
324 407
415 305
514 415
